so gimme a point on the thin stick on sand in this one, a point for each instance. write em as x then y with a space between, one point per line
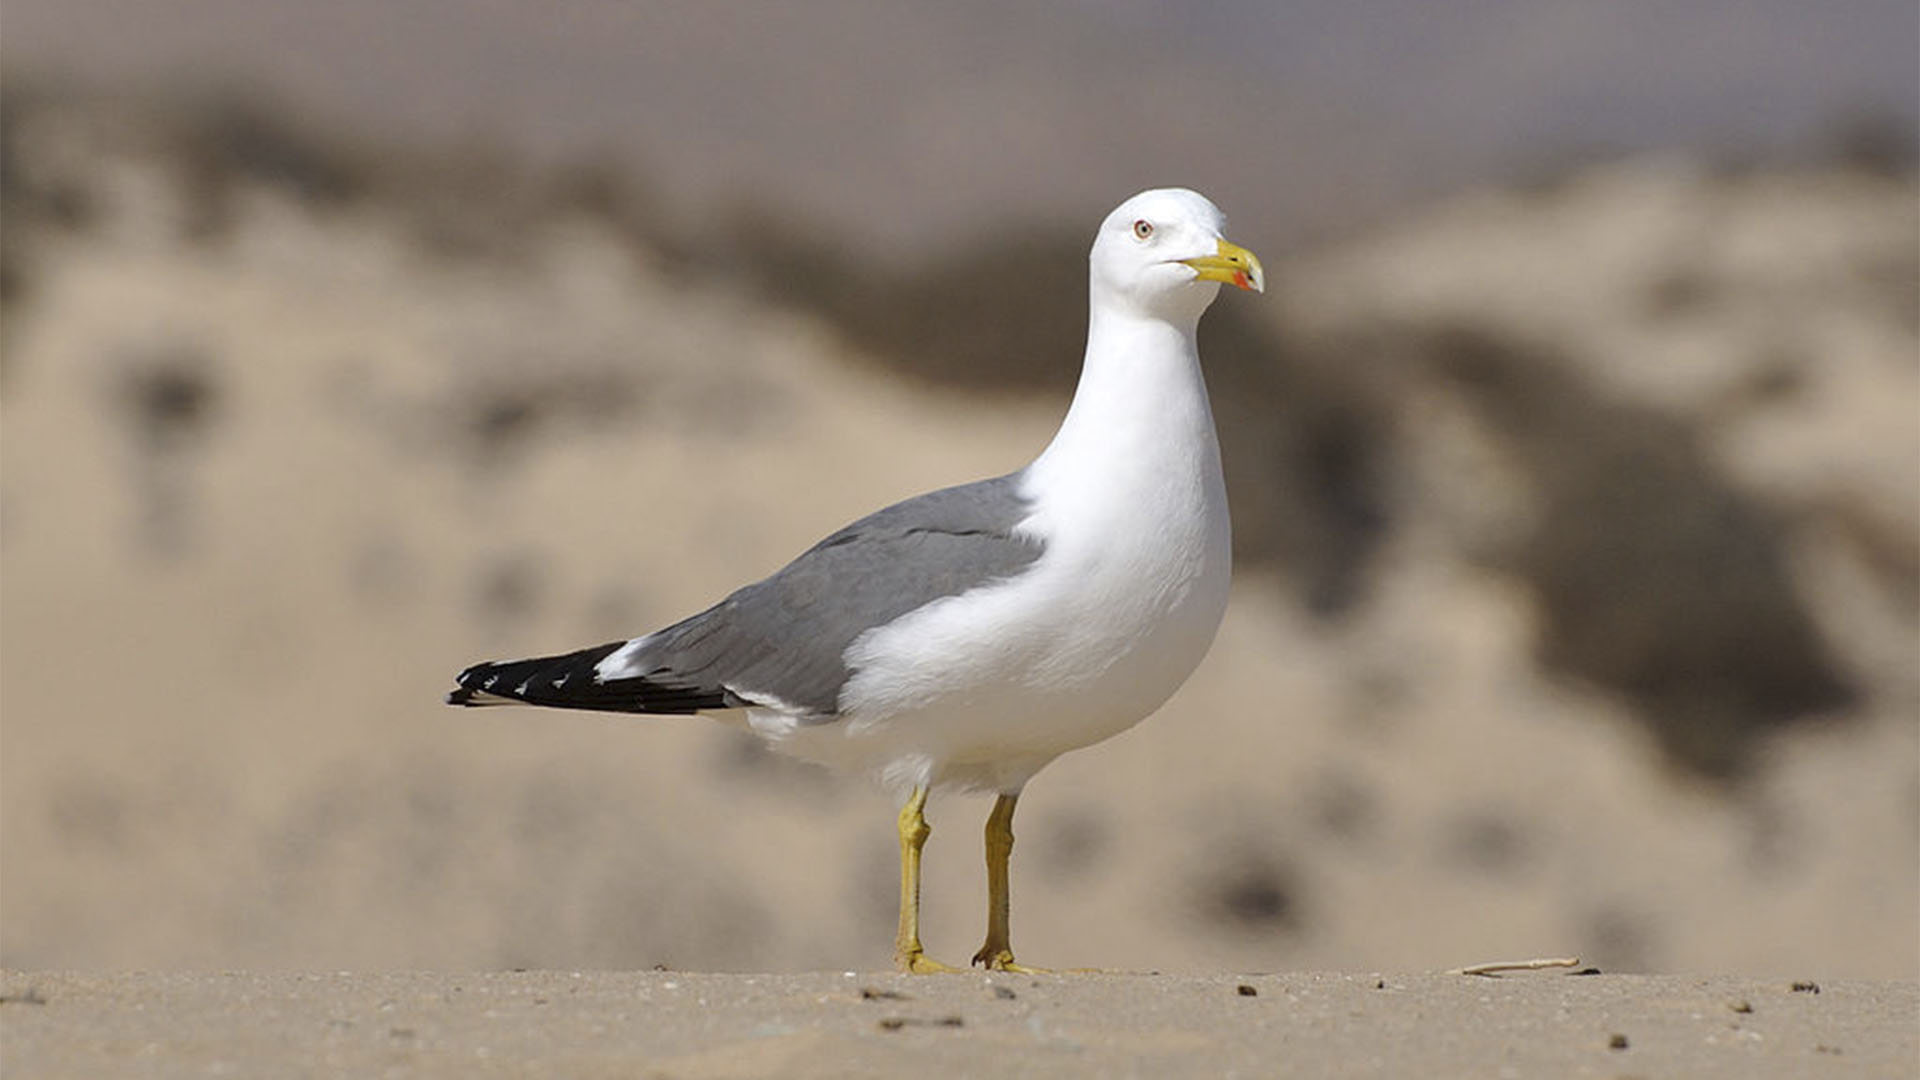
1494 968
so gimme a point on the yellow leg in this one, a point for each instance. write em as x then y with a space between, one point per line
907 954
997 953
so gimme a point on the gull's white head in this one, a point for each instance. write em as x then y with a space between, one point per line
1162 254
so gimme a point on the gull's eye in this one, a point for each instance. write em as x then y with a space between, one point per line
1142 229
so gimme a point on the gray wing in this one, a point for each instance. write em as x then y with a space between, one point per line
785 638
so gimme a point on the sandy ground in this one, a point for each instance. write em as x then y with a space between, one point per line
681 1025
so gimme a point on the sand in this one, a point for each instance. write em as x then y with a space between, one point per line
228 627
685 1025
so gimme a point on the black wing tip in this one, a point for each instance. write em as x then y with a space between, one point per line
468 684
571 681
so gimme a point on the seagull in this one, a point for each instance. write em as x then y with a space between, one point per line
965 638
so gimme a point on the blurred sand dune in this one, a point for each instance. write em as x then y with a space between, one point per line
268 484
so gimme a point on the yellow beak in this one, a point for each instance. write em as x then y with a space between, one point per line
1233 265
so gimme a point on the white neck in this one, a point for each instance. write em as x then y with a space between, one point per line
1141 407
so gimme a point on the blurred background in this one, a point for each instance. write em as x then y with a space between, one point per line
1575 460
